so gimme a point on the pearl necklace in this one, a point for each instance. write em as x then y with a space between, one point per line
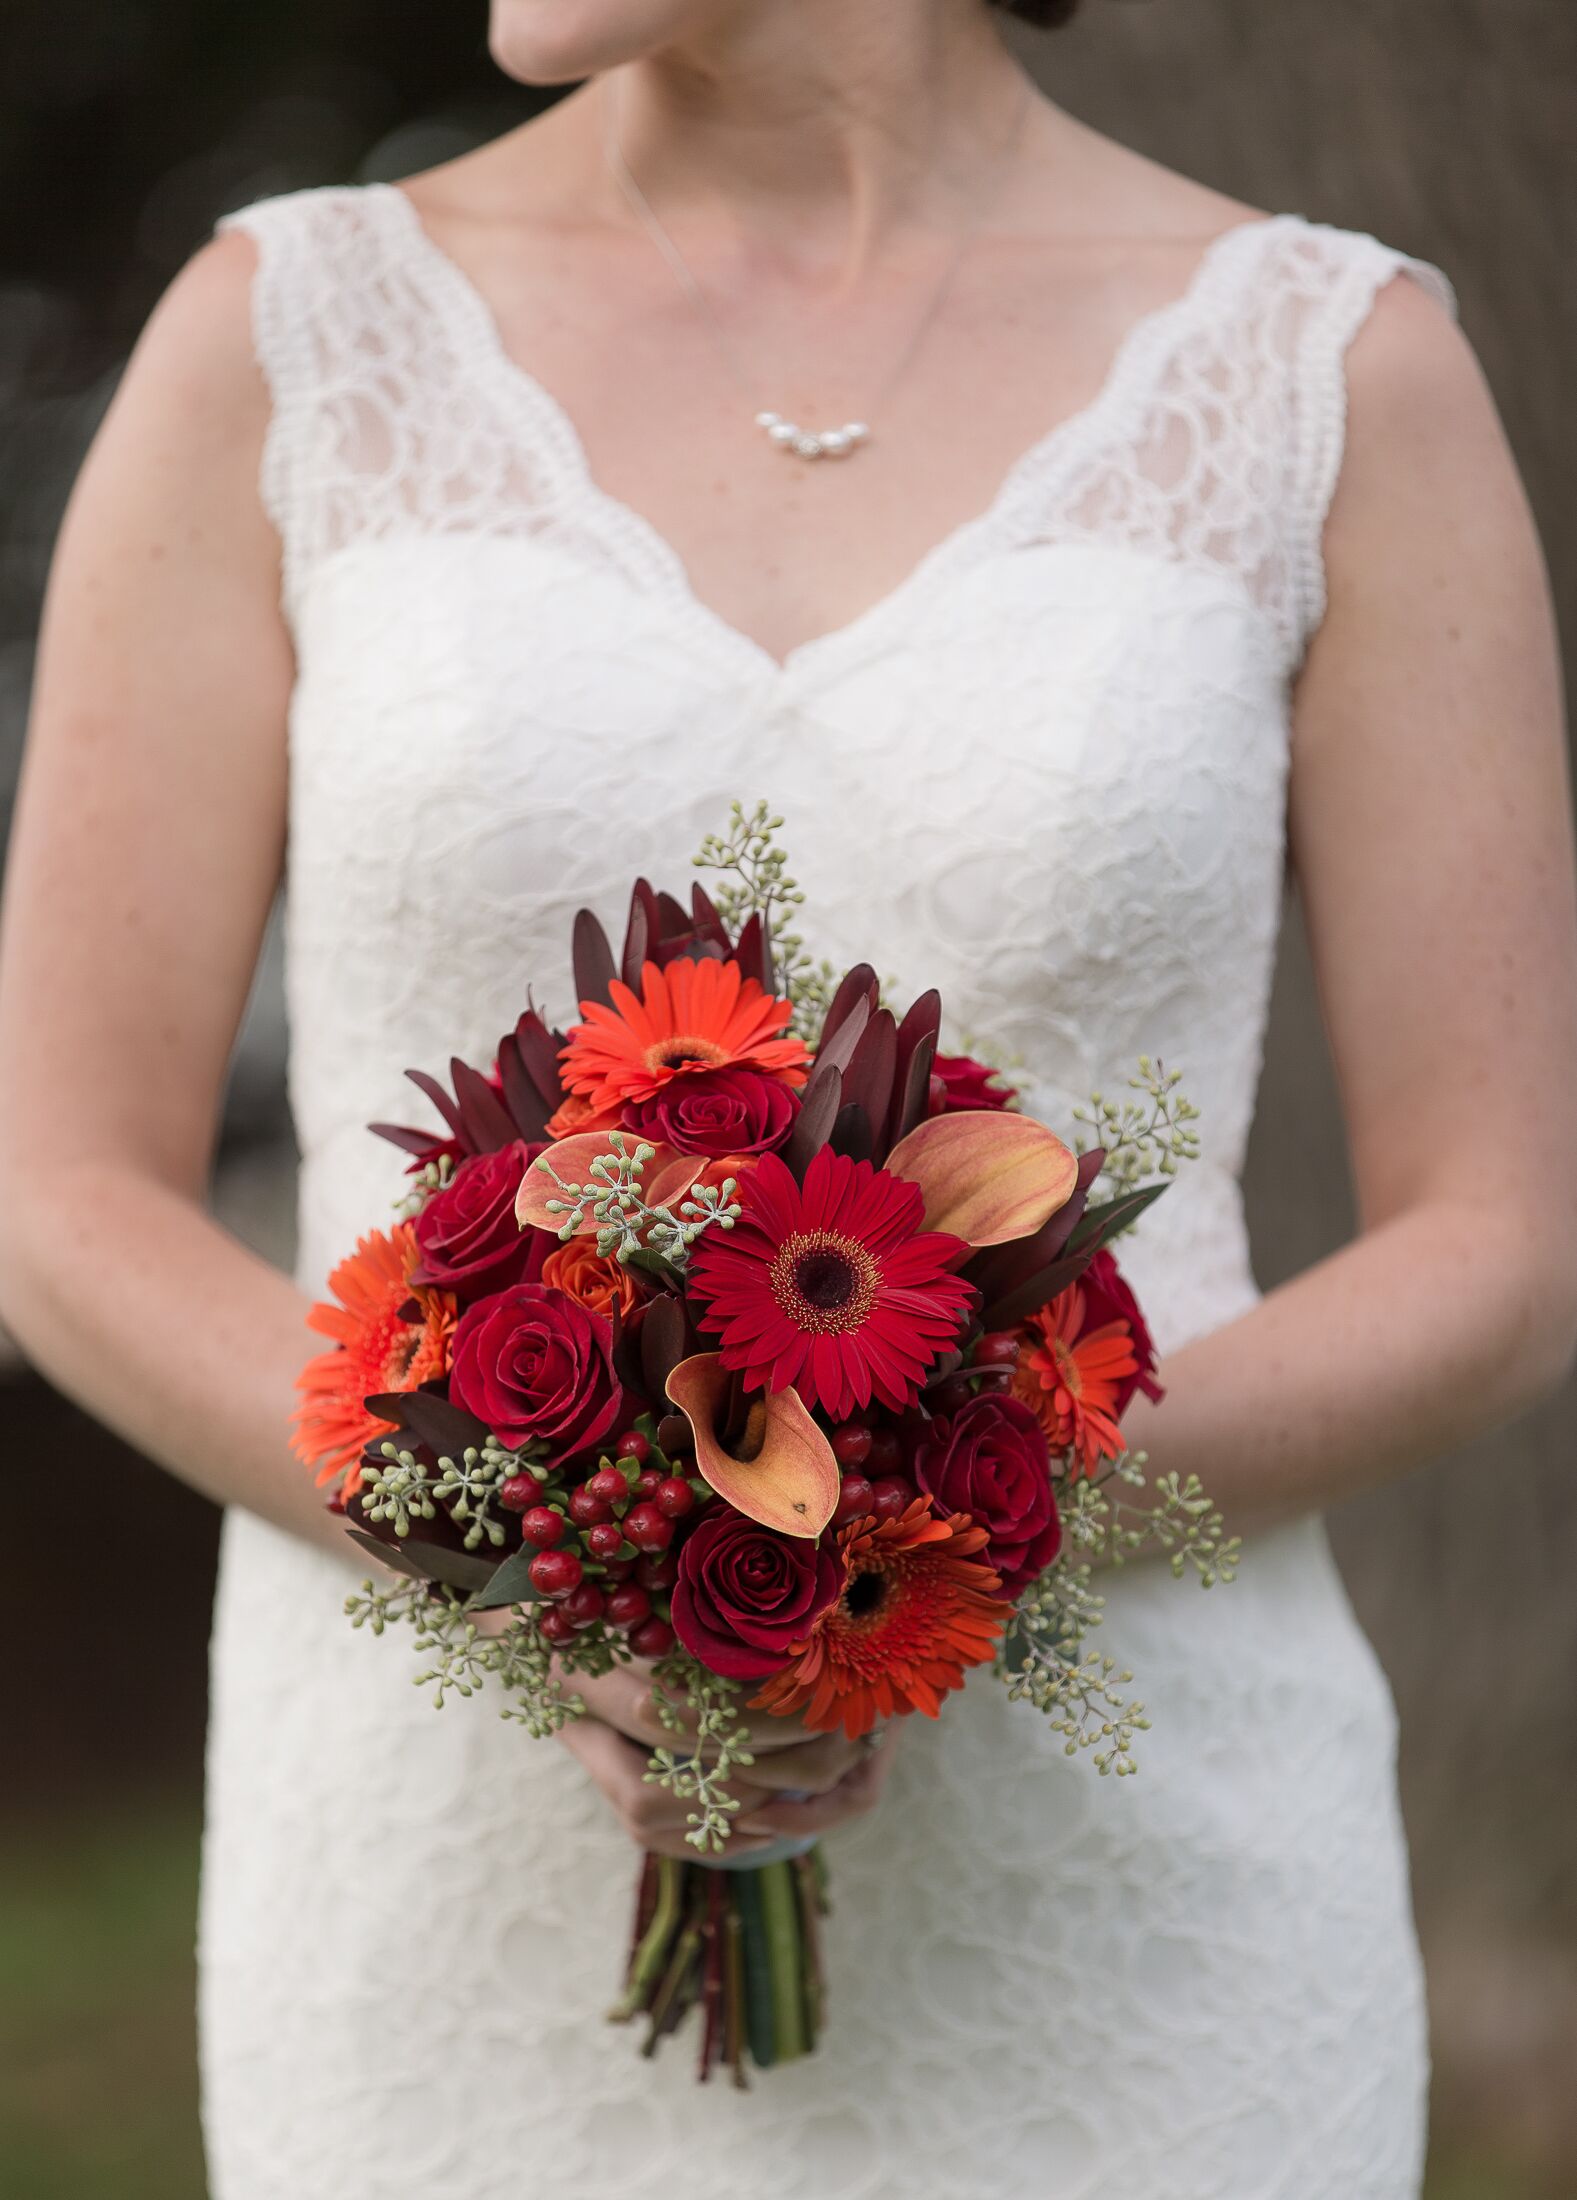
786 434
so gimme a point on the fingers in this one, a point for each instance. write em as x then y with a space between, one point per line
652 1817
856 1793
813 1765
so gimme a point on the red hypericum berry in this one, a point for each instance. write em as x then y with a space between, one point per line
555 1624
585 1605
854 1500
618 1569
628 1606
886 1453
657 1572
634 1446
586 1510
555 1573
950 1395
648 1529
519 1492
891 1495
997 1348
674 1498
609 1484
649 1481
851 1443
604 1539
654 1638
543 1527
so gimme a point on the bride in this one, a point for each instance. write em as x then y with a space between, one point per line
805 408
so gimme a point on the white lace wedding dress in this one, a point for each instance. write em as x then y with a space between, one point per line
1046 774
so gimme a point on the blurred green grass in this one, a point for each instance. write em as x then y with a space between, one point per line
98 2089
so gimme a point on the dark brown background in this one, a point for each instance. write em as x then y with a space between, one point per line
1445 126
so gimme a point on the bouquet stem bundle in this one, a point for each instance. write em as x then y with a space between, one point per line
744 1944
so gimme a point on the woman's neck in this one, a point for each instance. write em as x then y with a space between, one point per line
813 130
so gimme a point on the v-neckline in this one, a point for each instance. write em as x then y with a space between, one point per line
1145 340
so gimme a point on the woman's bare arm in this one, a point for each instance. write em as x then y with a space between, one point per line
143 863
1431 833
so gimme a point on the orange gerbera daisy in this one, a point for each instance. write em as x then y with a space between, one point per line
574 1115
918 1607
1073 1379
379 1346
691 1016
581 1272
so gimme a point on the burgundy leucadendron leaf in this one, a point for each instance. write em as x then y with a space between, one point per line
852 1133
818 1111
665 1339
446 1429
485 1123
868 1080
591 959
430 1087
917 1036
1099 1224
854 1001
640 934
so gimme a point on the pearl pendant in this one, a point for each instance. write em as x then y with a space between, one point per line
789 436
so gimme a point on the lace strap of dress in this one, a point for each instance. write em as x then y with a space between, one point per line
357 365
1331 279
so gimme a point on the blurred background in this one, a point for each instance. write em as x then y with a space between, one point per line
126 127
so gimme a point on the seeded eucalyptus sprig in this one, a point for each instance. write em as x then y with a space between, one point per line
1142 1138
628 1227
715 1743
755 882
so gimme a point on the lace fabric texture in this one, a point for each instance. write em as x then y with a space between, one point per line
1047 774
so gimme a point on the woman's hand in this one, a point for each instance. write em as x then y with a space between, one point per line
834 1779
840 1779
625 1699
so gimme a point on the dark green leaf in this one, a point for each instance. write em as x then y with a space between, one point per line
1098 1224
510 1583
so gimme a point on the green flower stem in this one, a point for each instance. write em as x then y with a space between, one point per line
734 1990
808 1893
672 1998
784 1959
760 2030
646 1968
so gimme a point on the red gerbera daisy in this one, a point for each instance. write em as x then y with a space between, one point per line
917 1609
1074 1379
389 1334
834 1288
691 1016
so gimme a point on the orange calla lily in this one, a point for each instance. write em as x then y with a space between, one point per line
779 1469
986 1176
570 1161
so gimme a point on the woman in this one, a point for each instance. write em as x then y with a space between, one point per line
1047 671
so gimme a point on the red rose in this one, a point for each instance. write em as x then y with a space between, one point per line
717 1112
989 1460
745 1595
1107 1298
960 1083
537 1367
469 1239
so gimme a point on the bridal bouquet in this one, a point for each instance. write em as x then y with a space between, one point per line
741 1331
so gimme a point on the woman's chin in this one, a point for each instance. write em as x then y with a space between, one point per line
566 41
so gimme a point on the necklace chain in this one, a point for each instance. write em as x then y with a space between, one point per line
788 435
